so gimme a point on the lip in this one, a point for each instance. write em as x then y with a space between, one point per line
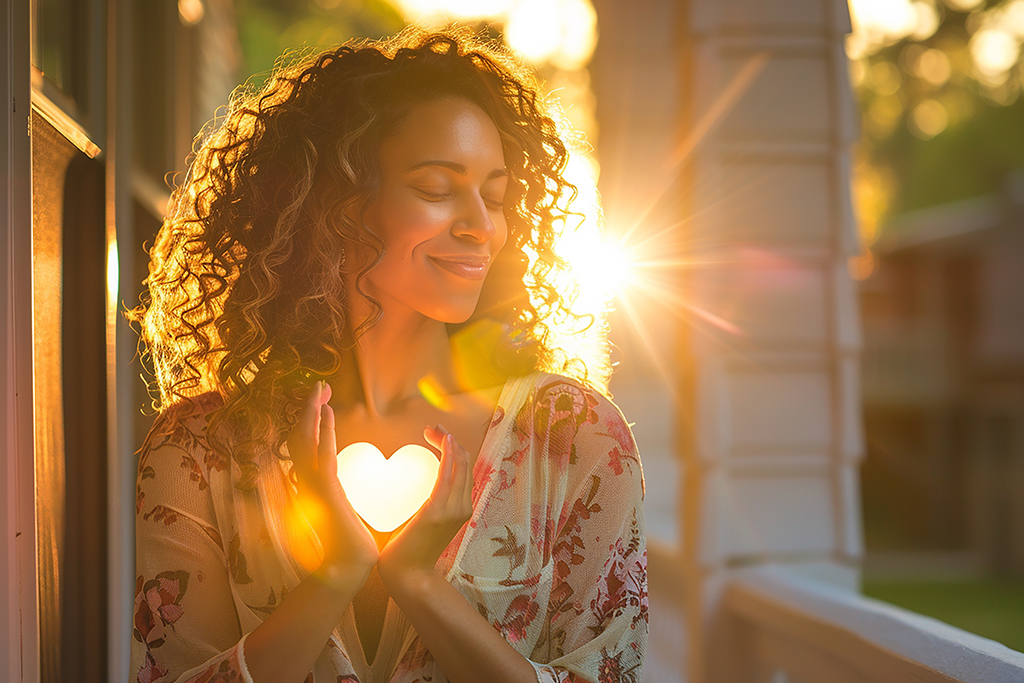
468 267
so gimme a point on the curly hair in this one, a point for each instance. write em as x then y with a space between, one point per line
246 294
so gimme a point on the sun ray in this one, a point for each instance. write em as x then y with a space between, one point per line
715 114
640 330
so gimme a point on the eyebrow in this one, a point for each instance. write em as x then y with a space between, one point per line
456 167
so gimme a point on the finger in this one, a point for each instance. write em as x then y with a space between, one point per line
434 436
301 439
468 490
459 466
443 485
467 485
326 450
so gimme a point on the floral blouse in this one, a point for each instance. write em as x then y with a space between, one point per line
554 556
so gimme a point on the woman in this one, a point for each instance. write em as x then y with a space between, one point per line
346 261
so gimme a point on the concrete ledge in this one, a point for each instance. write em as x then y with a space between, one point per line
851 634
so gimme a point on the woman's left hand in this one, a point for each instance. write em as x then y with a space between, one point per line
413 552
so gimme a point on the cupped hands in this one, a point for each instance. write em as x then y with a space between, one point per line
350 550
412 552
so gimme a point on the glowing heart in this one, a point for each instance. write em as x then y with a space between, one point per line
386 492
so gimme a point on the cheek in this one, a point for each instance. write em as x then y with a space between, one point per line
501 235
411 222
401 229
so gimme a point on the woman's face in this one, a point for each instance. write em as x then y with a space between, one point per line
438 211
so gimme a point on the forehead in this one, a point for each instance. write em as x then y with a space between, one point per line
449 129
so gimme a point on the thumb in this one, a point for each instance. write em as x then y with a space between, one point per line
435 436
326 450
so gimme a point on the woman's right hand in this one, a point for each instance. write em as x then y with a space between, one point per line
349 548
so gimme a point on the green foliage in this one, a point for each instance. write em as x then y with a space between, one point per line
988 607
269 28
934 130
969 159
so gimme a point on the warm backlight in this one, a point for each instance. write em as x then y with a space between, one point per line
386 492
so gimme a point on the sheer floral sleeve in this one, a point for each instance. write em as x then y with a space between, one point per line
595 628
558 562
185 622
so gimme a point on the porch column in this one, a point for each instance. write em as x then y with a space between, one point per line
771 416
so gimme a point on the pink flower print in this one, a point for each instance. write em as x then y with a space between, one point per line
150 670
617 428
561 409
610 669
162 513
623 454
157 605
214 461
415 659
542 530
521 611
617 458
224 671
482 474
622 584
195 472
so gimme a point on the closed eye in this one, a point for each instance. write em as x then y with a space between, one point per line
433 196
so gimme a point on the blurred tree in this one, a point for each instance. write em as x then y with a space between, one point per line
268 28
939 85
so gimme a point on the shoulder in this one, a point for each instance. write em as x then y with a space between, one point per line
179 436
559 397
179 476
570 415
183 423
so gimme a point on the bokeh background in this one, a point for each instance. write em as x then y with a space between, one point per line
938 186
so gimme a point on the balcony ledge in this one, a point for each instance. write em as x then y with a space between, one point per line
830 634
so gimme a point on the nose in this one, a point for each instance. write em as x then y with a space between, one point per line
475 221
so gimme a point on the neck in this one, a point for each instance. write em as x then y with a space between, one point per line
394 355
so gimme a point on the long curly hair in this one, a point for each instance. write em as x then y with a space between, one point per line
246 294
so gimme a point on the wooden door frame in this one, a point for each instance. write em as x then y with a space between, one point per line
19 622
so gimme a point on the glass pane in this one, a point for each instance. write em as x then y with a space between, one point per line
64 36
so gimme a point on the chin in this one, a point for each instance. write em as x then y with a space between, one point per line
453 317
455 314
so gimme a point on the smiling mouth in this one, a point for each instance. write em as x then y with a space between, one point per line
468 267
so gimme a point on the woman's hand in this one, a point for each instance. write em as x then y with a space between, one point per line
349 549
414 551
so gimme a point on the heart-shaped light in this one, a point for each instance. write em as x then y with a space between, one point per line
386 492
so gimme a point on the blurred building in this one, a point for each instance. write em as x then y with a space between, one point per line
943 366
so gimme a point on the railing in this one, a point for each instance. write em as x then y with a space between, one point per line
785 629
